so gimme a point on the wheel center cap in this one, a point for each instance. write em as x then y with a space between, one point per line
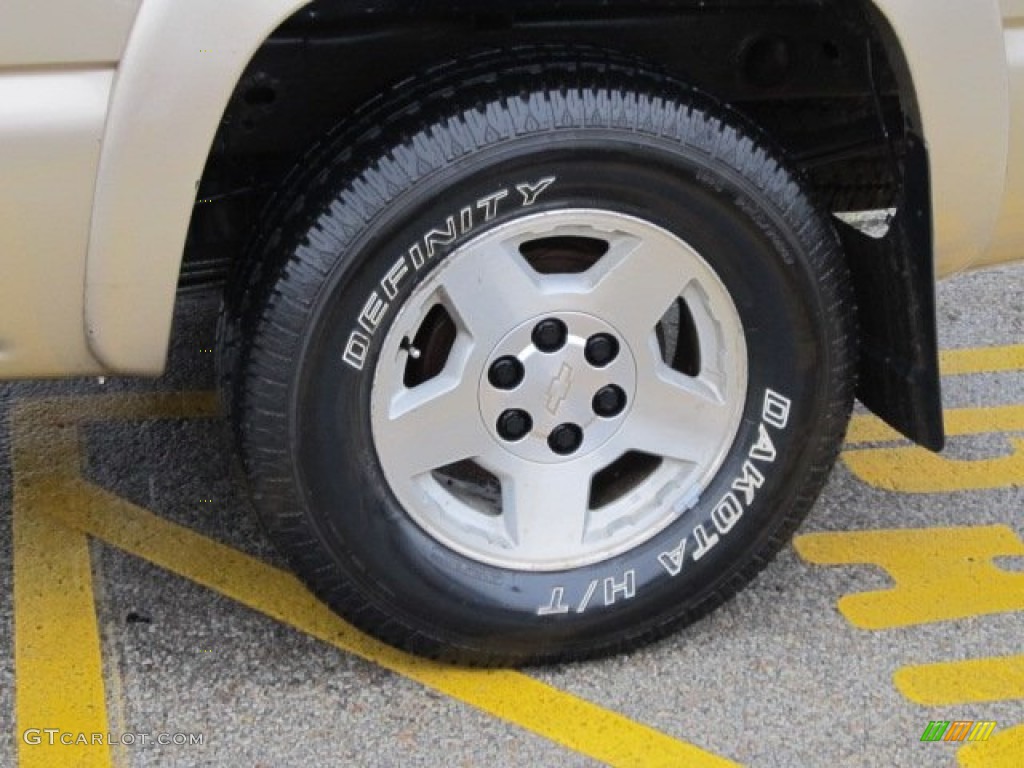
557 387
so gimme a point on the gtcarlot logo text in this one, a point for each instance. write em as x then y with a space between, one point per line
55 736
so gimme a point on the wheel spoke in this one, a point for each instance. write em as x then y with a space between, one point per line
490 290
545 507
637 281
677 417
432 425
556 344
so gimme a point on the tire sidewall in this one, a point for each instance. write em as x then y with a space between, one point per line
755 251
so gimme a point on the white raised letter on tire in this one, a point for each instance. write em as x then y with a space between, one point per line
730 508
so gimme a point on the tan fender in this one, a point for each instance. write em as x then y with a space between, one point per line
178 71
957 58
184 57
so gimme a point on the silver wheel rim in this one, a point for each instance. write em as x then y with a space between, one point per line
518 330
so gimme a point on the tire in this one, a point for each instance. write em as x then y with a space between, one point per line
610 253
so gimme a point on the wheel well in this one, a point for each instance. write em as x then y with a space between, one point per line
815 76
824 79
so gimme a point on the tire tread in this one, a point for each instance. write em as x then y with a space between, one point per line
412 131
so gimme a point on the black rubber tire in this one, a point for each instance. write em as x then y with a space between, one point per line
612 133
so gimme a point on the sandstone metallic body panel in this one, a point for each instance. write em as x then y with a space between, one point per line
101 162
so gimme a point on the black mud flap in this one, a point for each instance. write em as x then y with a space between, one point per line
894 280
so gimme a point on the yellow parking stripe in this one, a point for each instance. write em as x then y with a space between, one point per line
1002 750
511 696
981 360
916 470
910 469
57 658
865 428
939 574
41 417
999 678
923 583
56 642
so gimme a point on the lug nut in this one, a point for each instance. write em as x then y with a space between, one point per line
609 401
549 335
601 349
514 424
565 439
506 372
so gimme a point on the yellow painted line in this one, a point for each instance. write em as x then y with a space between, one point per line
999 678
40 416
58 667
913 469
1003 750
512 696
939 573
866 428
953 362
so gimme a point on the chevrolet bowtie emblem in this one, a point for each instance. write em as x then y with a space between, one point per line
559 388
